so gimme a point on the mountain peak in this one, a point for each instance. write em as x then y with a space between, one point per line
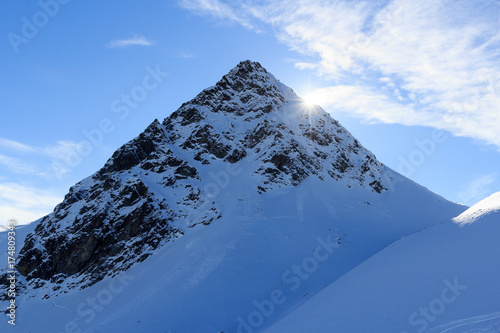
246 89
250 65
160 184
250 74
248 68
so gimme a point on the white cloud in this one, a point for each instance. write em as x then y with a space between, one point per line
62 149
305 65
17 166
369 104
25 204
441 56
136 40
62 157
186 55
15 145
478 189
218 10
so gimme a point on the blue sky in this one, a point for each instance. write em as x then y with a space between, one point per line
418 83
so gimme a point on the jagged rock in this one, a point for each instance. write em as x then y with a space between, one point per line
185 171
134 151
236 156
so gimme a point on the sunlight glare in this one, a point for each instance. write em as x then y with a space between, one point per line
310 99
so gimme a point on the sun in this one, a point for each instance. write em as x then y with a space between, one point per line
310 100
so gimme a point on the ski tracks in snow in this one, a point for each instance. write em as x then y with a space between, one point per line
476 324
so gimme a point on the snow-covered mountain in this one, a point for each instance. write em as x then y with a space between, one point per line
442 279
240 206
162 182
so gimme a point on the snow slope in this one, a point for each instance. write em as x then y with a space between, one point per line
443 279
208 281
240 206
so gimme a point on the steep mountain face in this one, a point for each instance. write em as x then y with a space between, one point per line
160 184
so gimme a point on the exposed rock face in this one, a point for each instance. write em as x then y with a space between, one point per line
152 189
114 218
245 113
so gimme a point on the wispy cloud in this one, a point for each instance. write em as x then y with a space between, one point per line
370 105
62 149
441 56
478 189
136 40
15 145
60 158
24 203
18 166
218 10
186 55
